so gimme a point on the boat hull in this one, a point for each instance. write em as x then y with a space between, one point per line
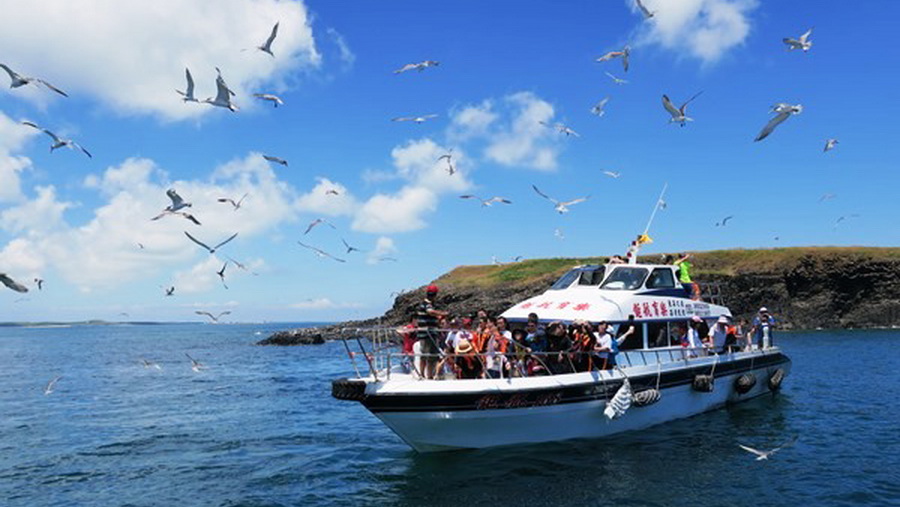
501 414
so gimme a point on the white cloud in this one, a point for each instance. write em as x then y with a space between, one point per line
201 277
322 304
131 55
384 247
417 162
472 121
12 137
344 53
400 212
320 202
704 29
43 213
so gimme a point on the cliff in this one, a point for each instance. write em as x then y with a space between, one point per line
805 287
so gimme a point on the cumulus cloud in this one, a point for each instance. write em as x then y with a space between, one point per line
399 212
346 55
12 137
472 121
704 29
384 247
131 55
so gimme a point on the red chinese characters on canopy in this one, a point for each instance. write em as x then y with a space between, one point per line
580 307
636 310
655 306
545 305
526 305
646 308
563 305
663 309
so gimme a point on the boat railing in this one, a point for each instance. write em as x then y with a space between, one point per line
383 356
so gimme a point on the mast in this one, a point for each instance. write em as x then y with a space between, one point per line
635 245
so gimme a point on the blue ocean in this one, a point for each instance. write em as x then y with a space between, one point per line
258 427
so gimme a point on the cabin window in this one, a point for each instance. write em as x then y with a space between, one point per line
625 278
566 280
633 342
663 334
591 276
661 278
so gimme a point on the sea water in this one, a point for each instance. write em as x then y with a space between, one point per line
258 426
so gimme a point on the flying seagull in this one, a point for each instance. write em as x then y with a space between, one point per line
802 42
558 233
51 385
195 365
612 174
321 253
12 284
150 364
350 248
598 107
214 318
40 283
332 191
277 160
842 218
267 46
560 207
170 291
178 204
678 115
317 222
561 128
223 94
646 12
417 66
16 80
235 204
221 274
487 202
240 266
783 112
764 455
827 197
724 221
57 141
275 99
830 144
188 92
623 54
617 80
213 249
415 119
449 158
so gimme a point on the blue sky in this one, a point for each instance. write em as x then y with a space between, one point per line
76 222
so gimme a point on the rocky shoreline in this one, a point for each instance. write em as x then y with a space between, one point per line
836 288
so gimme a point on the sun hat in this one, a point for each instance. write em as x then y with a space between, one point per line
722 319
764 310
463 346
696 318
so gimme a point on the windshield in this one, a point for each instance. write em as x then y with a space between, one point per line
625 278
566 280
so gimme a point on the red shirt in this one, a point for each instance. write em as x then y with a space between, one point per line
409 338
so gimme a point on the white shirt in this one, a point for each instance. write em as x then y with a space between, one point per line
453 337
692 338
718 333
604 341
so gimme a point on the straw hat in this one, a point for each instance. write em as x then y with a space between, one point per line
463 346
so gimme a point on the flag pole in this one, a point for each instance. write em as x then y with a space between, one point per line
655 208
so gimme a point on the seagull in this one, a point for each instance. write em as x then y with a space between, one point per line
195 365
415 119
150 364
51 385
267 46
842 218
240 266
213 249
764 455
518 258
417 66
17 80
487 202
223 94
12 284
236 204
140 245
598 107
188 92
802 42
275 99
830 144
495 261
277 160
332 191
170 291
57 141
617 80
175 208
40 283
612 174
624 53
558 234
180 213
320 253
827 197
561 128
560 207
215 318
783 112
647 14
449 158
387 259
317 222
678 115
221 274
724 221
350 248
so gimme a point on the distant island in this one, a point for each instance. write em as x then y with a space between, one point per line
805 287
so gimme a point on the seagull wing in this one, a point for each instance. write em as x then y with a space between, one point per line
545 196
80 147
177 201
625 52
226 241
805 36
50 86
670 107
223 94
268 44
408 66
311 225
222 314
576 201
201 312
469 196
195 240
36 126
12 74
500 199
726 219
12 284
683 106
647 14
189 91
774 122
190 217
752 450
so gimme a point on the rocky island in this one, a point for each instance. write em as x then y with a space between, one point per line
805 287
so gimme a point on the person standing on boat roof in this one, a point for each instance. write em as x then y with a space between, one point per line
763 325
691 288
428 334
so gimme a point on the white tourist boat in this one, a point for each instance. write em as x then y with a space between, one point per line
667 381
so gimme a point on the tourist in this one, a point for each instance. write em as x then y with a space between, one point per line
691 289
616 259
693 335
603 346
717 336
408 334
496 359
520 348
535 337
558 347
428 335
468 365
583 341
763 325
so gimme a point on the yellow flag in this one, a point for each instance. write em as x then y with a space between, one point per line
643 238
